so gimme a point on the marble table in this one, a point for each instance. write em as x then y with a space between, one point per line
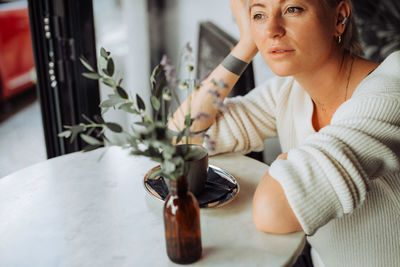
79 210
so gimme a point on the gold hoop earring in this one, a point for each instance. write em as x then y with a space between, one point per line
339 39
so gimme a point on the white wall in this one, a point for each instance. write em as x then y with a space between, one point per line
122 28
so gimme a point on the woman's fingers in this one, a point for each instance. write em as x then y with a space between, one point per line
282 156
241 14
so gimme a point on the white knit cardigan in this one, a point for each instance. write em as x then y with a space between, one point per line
343 182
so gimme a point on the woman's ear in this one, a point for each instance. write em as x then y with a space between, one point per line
343 12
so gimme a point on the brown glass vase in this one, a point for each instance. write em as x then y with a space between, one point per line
182 224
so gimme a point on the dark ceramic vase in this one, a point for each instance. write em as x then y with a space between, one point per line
196 166
182 224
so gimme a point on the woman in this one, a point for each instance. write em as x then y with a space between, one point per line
338 119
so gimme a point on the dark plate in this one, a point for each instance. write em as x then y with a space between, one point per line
219 203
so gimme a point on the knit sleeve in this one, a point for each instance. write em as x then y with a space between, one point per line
248 119
328 175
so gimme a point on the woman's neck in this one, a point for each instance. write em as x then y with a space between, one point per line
332 83
328 84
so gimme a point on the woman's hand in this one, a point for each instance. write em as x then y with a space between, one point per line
282 156
241 14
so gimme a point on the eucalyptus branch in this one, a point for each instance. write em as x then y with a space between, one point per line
153 139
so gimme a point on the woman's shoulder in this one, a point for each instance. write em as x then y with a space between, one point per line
377 96
384 80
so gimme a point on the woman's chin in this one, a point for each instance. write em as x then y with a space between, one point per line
282 72
282 69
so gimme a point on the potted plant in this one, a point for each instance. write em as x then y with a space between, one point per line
151 137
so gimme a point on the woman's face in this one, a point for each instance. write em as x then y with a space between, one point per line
293 36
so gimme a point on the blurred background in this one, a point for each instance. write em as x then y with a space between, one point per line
41 86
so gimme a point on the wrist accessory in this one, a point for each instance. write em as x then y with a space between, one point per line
234 65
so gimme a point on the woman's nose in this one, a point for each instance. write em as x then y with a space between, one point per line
275 28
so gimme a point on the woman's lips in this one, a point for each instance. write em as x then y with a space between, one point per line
278 53
279 50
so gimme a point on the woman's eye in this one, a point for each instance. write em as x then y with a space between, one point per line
293 9
258 16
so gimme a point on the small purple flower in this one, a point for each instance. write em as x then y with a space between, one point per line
209 143
217 100
169 70
219 104
164 60
222 84
202 115
189 47
215 93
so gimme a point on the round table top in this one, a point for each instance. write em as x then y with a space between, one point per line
80 210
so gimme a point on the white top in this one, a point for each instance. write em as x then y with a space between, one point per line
77 210
343 182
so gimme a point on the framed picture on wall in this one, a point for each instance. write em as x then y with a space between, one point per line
214 45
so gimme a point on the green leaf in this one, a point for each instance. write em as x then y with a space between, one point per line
153 152
91 75
161 87
180 136
155 103
99 119
90 131
102 63
114 127
168 151
147 118
144 124
65 134
127 107
105 109
107 104
104 53
90 148
90 140
75 130
111 101
122 93
154 74
86 64
168 166
87 118
140 102
105 71
188 121
109 82
110 67
156 173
